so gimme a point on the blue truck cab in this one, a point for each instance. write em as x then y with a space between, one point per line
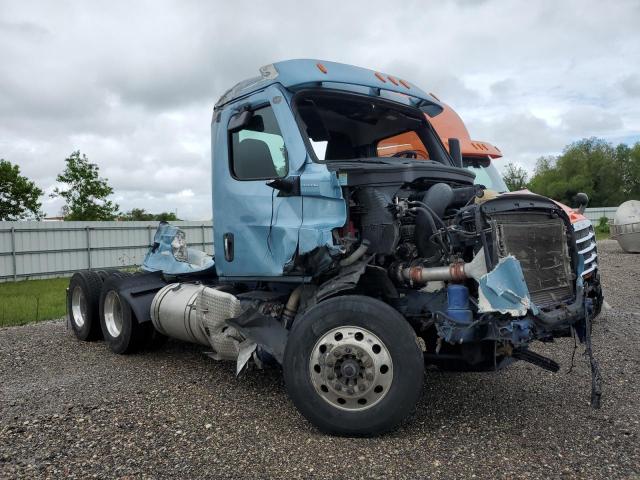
348 256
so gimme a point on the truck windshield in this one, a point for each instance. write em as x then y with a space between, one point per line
348 126
486 173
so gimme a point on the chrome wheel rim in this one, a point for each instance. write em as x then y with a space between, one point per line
113 313
78 306
351 368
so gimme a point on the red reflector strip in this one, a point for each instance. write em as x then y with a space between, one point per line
405 84
321 67
393 80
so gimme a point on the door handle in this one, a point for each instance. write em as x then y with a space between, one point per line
227 240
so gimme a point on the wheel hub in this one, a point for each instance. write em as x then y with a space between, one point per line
351 368
78 306
113 316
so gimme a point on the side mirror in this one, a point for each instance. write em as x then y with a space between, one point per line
239 121
287 186
582 199
455 152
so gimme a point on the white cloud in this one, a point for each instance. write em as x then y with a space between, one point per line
132 84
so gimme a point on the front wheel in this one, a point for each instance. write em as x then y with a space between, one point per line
353 366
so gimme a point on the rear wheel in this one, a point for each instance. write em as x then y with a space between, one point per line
352 366
120 328
104 273
83 305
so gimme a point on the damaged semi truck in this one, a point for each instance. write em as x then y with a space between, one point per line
349 269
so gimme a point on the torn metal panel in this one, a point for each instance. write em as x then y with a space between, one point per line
323 208
246 351
504 289
263 330
169 253
347 279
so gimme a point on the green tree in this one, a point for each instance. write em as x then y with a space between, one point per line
515 177
86 192
590 165
166 217
19 196
628 159
137 214
141 215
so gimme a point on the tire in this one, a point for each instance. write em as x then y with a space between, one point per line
120 328
83 302
385 382
105 273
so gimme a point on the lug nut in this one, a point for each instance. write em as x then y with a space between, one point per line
338 387
331 376
369 376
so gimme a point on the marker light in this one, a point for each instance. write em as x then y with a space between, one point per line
321 67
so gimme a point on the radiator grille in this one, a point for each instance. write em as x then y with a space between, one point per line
586 243
540 245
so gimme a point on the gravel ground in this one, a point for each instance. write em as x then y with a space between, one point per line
72 409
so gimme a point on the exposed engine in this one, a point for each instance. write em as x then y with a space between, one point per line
440 244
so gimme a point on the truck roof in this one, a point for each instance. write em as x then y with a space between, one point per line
296 74
449 125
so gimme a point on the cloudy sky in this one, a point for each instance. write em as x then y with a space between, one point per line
132 84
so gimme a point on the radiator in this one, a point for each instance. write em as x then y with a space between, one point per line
539 243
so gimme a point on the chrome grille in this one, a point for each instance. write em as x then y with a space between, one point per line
586 243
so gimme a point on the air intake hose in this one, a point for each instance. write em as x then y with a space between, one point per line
438 198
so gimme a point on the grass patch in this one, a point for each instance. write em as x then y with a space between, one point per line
601 235
29 301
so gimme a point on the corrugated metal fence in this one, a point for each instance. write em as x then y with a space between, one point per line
596 213
45 249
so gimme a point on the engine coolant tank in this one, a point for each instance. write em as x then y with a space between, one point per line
173 313
626 226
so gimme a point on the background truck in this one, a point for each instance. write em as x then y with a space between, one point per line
348 268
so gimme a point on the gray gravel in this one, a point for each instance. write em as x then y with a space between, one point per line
72 409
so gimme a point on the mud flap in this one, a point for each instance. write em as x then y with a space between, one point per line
139 291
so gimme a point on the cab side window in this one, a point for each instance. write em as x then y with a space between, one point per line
258 151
